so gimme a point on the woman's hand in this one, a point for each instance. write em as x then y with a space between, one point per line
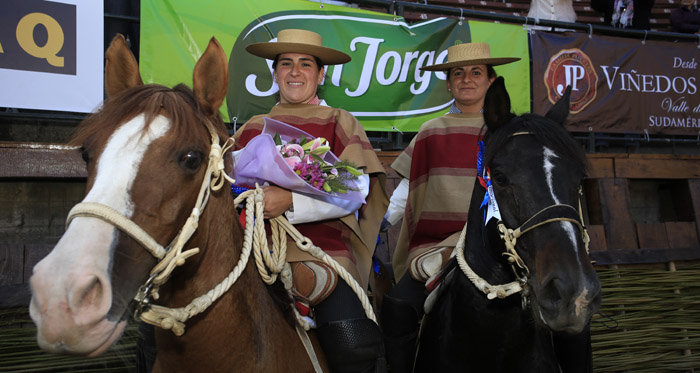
277 201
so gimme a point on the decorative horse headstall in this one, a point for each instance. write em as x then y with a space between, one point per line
171 256
549 214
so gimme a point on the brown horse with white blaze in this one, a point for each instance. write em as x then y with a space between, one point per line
147 154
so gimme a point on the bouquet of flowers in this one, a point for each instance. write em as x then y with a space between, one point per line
291 158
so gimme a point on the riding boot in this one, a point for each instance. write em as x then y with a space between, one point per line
400 326
352 346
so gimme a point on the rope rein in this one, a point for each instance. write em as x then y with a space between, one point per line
491 291
510 237
520 269
271 263
306 245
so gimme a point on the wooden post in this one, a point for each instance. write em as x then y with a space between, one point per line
614 204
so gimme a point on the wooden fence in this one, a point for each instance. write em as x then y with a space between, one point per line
640 208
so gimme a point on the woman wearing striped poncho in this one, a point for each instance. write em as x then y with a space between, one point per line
438 169
346 230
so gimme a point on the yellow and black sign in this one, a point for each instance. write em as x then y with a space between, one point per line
38 35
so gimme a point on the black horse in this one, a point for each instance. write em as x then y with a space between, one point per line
536 169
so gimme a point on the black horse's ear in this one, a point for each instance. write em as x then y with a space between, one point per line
497 105
560 110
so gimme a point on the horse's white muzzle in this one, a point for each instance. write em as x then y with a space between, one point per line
72 294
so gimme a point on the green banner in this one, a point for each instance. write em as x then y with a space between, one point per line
382 85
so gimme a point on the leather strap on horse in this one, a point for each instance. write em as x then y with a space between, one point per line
173 256
304 336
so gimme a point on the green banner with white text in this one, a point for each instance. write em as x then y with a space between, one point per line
382 85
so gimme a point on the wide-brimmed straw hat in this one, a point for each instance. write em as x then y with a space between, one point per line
469 54
299 41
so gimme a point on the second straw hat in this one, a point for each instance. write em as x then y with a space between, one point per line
299 41
469 54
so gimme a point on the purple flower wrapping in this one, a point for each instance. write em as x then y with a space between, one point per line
261 161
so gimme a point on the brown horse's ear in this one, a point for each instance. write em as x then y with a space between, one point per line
210 78
560 110
497 105
121 68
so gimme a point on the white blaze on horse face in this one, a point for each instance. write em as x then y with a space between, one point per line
548 171
117 168
69 320
120 160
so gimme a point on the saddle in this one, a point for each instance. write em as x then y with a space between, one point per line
425 265
312 282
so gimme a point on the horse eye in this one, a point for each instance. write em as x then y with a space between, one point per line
499 178
191 160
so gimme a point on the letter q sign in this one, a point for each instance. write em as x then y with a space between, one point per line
38 36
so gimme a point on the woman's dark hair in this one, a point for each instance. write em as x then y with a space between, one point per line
490 72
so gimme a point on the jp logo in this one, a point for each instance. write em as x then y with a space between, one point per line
571 67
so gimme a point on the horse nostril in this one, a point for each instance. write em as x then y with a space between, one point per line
88 293
552 293
93 292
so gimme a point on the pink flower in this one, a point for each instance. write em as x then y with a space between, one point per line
292 150
292 161
313 144
305 158
317 142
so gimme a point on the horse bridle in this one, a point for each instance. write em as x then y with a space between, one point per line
510 237
172 255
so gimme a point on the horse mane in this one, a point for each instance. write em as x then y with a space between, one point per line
179 104
545 131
